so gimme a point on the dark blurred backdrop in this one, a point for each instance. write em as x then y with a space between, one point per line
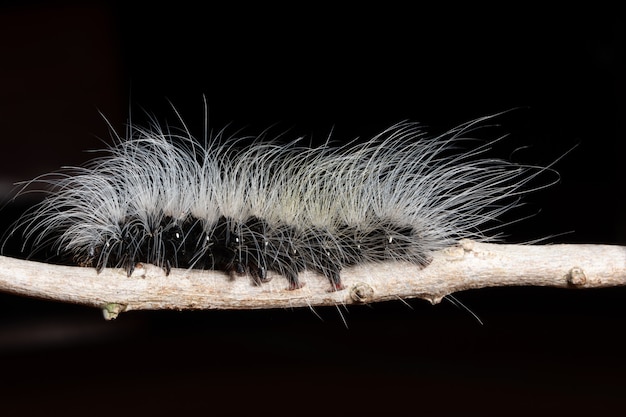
312 70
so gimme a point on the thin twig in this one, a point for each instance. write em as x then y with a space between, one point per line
466 266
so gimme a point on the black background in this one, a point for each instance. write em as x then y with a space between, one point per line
309 70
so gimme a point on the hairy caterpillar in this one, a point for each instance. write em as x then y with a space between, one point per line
171 200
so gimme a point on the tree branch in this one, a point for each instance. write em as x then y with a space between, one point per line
466 266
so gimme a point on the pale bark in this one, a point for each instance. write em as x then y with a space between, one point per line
469 265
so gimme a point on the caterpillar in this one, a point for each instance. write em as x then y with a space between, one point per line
164 197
